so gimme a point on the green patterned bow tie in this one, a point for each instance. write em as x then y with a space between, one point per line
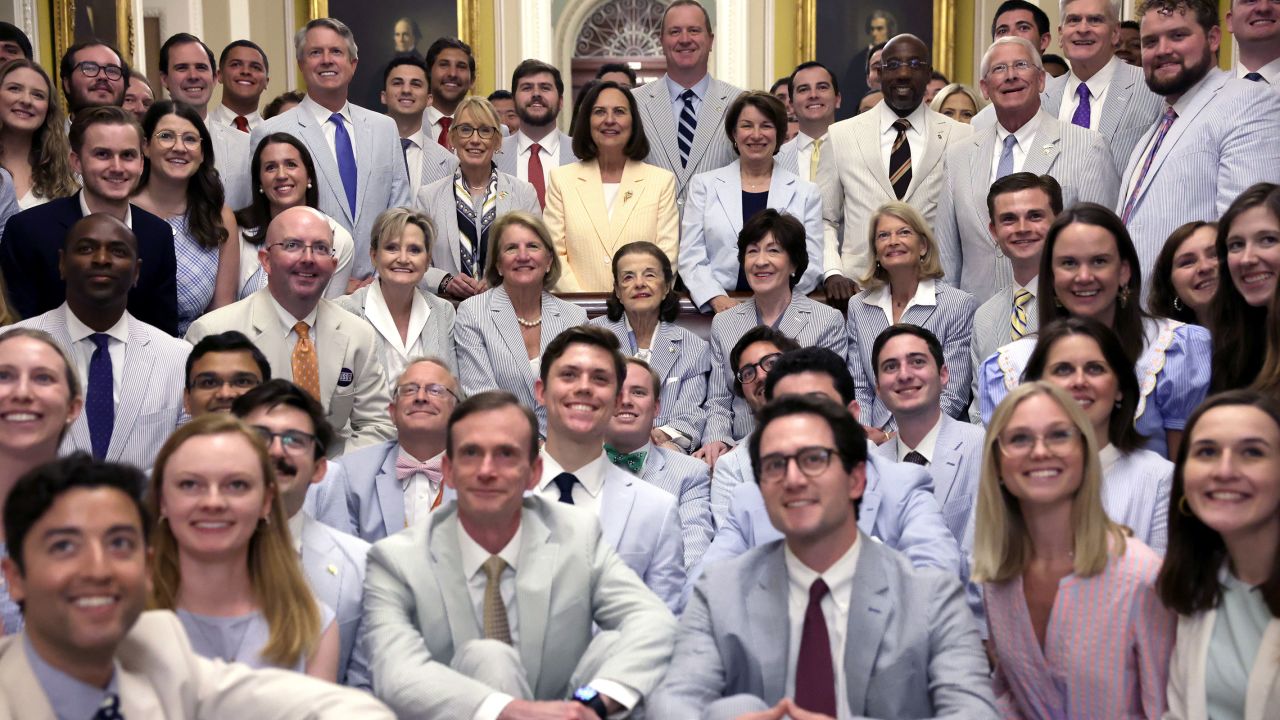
633 461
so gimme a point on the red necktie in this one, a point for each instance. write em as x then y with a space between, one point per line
536 179
815 672
445 122
241 123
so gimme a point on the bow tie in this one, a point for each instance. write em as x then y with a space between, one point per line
632 461
407 468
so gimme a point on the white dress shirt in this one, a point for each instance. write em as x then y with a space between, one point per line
1024 135
550 155
287 321
926 447
882 297
413 160
804 154
82 348
223 115
588 492
433 117
420 492
835 610
1270 73
1097 85
85 211
916 138
322 115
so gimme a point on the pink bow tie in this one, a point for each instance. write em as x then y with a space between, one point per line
406 468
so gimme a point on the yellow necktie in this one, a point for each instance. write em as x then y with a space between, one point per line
495 610
1018 320
306 369
813 160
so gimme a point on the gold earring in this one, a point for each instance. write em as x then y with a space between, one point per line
1183 508
1123 296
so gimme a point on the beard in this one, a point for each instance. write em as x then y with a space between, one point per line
1189 75
547 117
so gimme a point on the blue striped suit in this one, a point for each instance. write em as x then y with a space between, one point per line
710 148
955 467
1135 493
689 480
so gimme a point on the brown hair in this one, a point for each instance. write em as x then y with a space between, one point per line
768 105
637 147
51 175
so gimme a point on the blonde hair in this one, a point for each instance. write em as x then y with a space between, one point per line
1002 546
534 224
941 97
930 264
483 110
51 175
279 586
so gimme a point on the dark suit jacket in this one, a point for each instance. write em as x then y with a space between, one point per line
29 261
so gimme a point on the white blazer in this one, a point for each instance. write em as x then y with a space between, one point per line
430 329
1186 692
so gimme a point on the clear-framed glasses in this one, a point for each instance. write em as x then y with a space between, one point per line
294 442
748 373
1019 66
1019 443
297 247
168 138
486 131
811 461
895 64
208 382
88 68
435 390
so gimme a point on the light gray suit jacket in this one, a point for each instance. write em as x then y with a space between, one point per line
382 182
955 467
232 156
433 337
334 565
1128 112
361 495
992 328
508 155
912 647
491 352
689 480
712 219
854 181
642 523
1078 159
437 201
418 612
353 385
436 163
150 405
710 149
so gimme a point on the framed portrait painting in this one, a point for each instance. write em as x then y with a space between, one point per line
79 20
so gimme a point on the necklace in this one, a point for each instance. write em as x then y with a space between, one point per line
529 323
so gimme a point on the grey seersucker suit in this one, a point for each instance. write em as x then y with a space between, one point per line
711 148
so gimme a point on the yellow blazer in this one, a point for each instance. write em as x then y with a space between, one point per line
586 236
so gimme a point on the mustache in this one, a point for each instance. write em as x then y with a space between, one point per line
284 467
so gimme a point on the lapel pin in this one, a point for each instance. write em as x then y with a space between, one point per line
333 569
1048 149
502 195
939 134
626 196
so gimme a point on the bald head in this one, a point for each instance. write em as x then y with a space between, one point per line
99 263
905 69
298 258
101 225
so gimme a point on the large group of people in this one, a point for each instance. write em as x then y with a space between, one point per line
967 405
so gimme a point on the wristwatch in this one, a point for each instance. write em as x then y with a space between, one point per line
590 697
444 283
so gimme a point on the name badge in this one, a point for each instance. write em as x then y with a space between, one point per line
345 377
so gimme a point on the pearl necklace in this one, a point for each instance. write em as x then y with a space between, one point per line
529 323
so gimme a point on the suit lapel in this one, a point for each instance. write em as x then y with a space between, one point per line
139 360
708 129
1264 675
946 462
871 496
553 323
869 608
615 504
446 207
509 329
1045 146
390 496
630 194
590 192
918 314
1206 94
729 200
1118 96
795 317
79 436
533 588
446 553
364 150
782 188
980 176
317 549
868 141
331 349
660 123
937 133
664 348
1051 98
767 617
326 165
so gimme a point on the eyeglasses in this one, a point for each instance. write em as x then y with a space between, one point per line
748 373
435 390
1020 67
168 138
895 65
88 68
486 131
1020 444
210 382
297 247
901 233
294 442
811 461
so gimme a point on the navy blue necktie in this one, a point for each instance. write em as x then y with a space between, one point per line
564 481
99 406
1254 77
688 127
109 709
346 159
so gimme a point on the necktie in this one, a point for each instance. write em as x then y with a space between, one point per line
496 626
1255 77
306 369
536 179
98 402
109 709
815 671
688 126
405 143
445 122
1005 165
1165 123
813 160
1018 318
565 482
915 458
346 159
1081 116
900 159
241 123
406 468
632 461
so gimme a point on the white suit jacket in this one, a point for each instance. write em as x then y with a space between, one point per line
710 149
382 182
161 678
430 331
334 565
353 385
1186 691
854 181
150 405
508 155
232 156
642 522
955 467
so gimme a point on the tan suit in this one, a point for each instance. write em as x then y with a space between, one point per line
586 235
161 678
1186 689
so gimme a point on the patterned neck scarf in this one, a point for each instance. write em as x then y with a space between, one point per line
474 230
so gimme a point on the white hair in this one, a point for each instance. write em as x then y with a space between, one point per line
1113 10
300 37
1033 54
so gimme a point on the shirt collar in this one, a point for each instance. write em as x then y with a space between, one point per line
839 577
699 88
1030 287
1269 72
926 294
295 530
927 446
1025 134
1108 455
474 556
888 117
68 696
287 320
804 142
79 331
434 115
590 475
1098 84
419 138
86 212
322 113
550 143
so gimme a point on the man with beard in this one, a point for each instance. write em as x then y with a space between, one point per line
220 369
405 94
1256 28
1215 138
292 425
451 70
538 147
893 152
92 74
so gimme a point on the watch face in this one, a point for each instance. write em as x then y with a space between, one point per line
585 693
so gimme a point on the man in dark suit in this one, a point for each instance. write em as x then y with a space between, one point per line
106 151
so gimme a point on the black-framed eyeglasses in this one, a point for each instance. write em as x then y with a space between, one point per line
895 64
88 68
748 373
297 247
294 442
208 382
486 131
811 461
435 390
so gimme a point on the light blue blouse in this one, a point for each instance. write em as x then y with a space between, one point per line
240 638
1238 625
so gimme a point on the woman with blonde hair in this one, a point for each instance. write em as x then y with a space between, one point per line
222 558
904 286
1076 627
958 102
33 135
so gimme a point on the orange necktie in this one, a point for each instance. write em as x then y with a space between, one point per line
306 369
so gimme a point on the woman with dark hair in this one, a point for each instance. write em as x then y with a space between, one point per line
180 185
1185 277
772 250
1083 357
641 312
721 201
281 172
1089 268
33 135
1221 574
1248 265
610 197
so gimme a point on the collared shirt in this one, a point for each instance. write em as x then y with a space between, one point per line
295 532
926 447
550 155
1269 72
85 211
835 610
432 117
420 492
588 492
83 348
223 115
699 94
71 699
413 161
804 154
882 297
287 321
916 138
1097 85
322 115
1180 107
1024 135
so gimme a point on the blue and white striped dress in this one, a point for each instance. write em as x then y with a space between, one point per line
197 272
10 615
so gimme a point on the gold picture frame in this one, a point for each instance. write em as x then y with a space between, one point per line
64 25
944 33
468 12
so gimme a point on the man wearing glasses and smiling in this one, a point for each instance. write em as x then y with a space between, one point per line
92 74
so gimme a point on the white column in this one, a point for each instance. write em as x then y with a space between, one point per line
238 20
535 32
730 62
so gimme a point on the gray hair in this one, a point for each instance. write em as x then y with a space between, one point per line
434 360
300 37
1033 53
1113 10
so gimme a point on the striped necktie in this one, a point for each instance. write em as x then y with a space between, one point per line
688 127
1165 123
900 159
1018 319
